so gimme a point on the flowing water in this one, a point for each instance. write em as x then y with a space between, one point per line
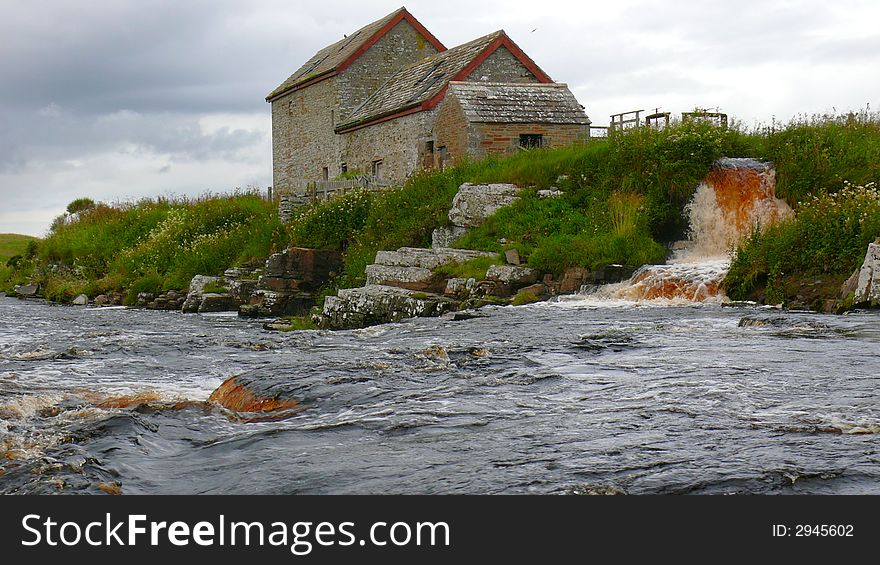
576 396
650 386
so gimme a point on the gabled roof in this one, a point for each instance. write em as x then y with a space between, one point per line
421 86
493 102
335 58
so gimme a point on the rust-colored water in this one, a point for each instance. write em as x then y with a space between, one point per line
737 196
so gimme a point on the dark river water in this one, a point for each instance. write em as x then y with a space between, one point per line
579 396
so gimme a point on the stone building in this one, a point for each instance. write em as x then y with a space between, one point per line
378 102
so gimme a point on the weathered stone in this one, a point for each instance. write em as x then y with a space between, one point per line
512 275
474 203
868 288
278 284
265 303
573 280
27 290
311 267
457 285
102 300
216 302
427 258
538 290
197 290
80 300
412 278
512 257
377 304
143 298
445 236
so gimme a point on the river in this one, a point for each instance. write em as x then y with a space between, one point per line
582 395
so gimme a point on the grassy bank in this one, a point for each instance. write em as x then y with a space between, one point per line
14 248
622 202
828 169
150 246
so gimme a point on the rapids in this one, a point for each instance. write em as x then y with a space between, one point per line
576 396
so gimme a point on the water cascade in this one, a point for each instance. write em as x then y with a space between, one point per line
737 196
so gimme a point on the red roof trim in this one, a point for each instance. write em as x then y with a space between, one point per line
501 40
403 15
301 85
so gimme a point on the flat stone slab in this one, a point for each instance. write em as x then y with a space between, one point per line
392 275
427 258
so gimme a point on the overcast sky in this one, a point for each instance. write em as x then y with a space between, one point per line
120 99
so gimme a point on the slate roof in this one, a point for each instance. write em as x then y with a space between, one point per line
328 59
419 82
540 103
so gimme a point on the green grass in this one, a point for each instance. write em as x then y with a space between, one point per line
827 240
15 249
151 245
473 269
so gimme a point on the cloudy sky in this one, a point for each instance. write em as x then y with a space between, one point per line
120 99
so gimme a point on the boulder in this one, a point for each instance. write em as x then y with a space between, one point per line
217 302
378 304
310 267
102 300
412 278
27 290
475 202
457 285
573 279
867 290
80 300
512 275
197 286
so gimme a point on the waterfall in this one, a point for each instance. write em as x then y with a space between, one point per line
736 197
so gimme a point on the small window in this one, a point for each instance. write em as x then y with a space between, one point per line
377 169
343 168
531 140
429 146
325 173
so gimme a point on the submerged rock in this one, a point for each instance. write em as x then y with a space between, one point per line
252 395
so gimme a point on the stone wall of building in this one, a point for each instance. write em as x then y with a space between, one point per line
451 131
303 140
501 66
500 139
399 144
399 48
